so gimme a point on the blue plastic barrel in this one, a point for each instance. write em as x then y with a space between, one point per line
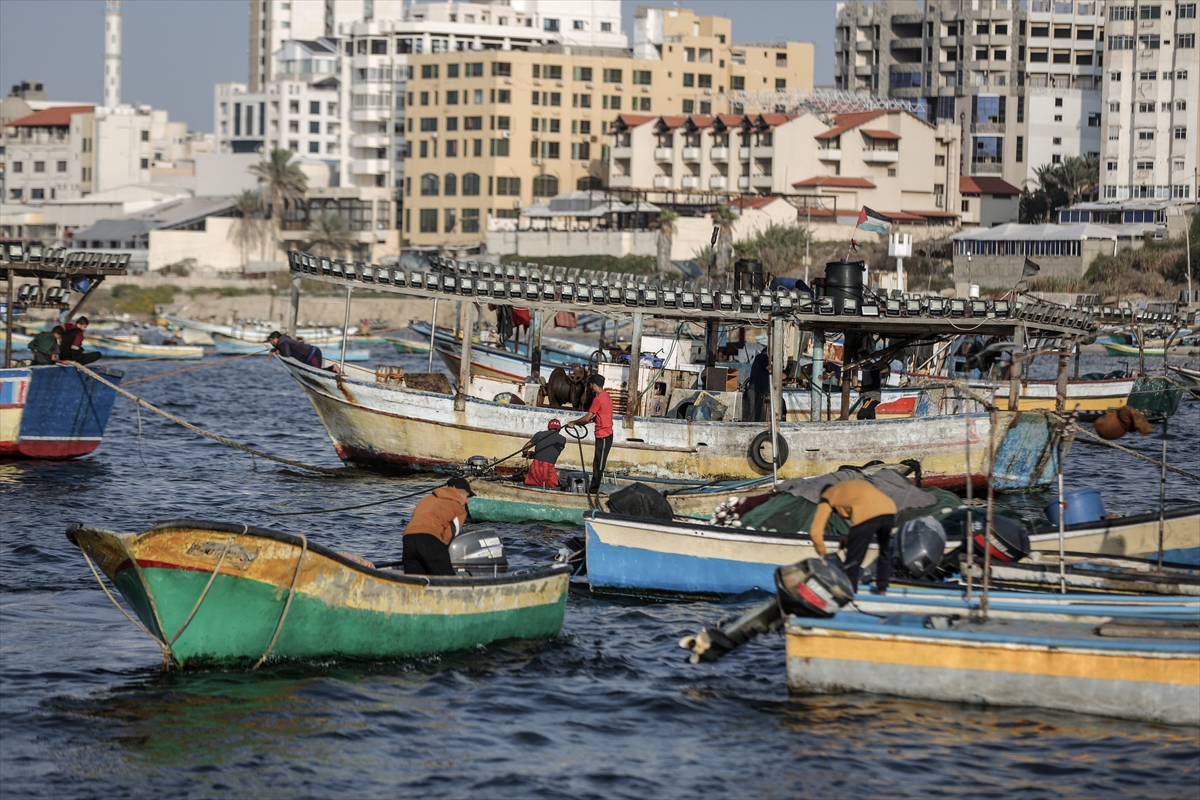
1082 505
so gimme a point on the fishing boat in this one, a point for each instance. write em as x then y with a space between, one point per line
1098 573
112 348
53 412
643 557
226 594
557 351
1190 378
1135 667
404 346
256 331
226 345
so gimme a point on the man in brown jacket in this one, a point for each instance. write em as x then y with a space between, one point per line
871 514
435 521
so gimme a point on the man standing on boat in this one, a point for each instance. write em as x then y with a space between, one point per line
871 515
758 388
544 449
436 520
72 343
600 411
294 348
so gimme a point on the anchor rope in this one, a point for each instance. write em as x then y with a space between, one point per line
197 366
1134 453
207 586
348 508
287 605
197 429
166 648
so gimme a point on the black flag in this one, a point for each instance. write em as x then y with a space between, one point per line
1030 269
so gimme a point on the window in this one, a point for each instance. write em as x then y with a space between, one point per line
429 220
1181 133
988 109
451 148
549 149
582 73
1112 166
613 102
577 25
1145 108
545 186
689 106
1114 108
315 147
452 70
550 25
473 69
555 125
1180 105
39 166
451 98
1178 166
472 123
429 185
1148 41
1120 13
555 99
314 106
1146 136
1181 75
906 80
470 220
581 100
1062 31
1020 149
451 123
1114 132
585 127
612 76
737 83
1150 12
1144 165
606 27
145 163
1056 140
314 127
450 184
1058 102
1038 30
641 77
981 53
379 47
705 81
581 151
1020 109
429 124
450 215
552 72
508 187
1185 11
1000 55
1061 57
429 71
689 79
424 98
1093 120
501 69
503 123
1120 43
1186 41
470 185
18 166
965 207
62 165
780 58
1147 75
478 148
499 147
1039 56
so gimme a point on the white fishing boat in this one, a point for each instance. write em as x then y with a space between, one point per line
257 331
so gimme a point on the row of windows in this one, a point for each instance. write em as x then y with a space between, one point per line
38 166
1176 166
1173 192
1114 133
1150 75
1049 247
499 148
1122 13
1150 41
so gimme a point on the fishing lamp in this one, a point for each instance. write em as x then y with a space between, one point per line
725 301
337 269
958 307
522 273
16 253
631 296
35 253
869 309
687 300
979 308
531 291
548 290
936 306
568 292
804 302
651 296
584 295
669 299
614 295
892 309
1001 308
850 306
706 300
349 271
366 274
825 305
783 301
746 301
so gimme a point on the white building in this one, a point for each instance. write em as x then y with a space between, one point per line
1151 93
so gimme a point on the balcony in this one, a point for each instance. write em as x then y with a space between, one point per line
622 152
719 154
718 182
662 181
762 181
863 71
765 151
620 181
370 114
908 19
370 140
987 169
987 127
830 154
948 66
948 41
690 182
908 43
369 166
691 154
664 154
744 182
864 47
743 153
881 156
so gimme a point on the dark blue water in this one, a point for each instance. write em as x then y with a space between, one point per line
608 709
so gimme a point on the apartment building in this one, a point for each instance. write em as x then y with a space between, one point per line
1022 78
1151 94
888 159
507 128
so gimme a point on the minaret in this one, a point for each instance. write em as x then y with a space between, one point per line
112 53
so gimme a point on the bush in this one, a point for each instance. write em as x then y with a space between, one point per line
129 299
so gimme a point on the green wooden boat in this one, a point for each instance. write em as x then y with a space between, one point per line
221 594
408 346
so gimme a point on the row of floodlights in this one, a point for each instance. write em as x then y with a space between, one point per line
31 294
534 272
37 255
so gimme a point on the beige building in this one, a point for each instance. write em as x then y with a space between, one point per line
491 132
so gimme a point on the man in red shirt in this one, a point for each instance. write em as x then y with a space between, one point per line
600 411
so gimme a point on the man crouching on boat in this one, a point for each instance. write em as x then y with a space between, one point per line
871 515
436 520
543 451
294 348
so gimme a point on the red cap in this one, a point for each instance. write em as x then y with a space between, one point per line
553 425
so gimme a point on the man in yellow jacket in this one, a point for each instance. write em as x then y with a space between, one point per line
871 515
435 521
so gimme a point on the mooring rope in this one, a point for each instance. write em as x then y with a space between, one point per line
166 648
263 351
207 586
288 605
348 508
1134 453
197 429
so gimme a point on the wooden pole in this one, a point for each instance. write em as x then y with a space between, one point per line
849 345
346 327
294 308
818 366
95 284
535 345
433 335
1141 336
991 515
8 334
711 334
1014 372
1060 386
633 385
776 392
464 367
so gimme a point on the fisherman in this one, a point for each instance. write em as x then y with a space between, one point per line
601 412
544 449
871 515
71 348
47 346
294 348
874 375
758 388
437 519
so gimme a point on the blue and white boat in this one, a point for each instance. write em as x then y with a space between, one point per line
53 412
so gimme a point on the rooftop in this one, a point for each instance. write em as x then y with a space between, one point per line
58 117
980 185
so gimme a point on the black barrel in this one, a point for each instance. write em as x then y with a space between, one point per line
844 281
748 275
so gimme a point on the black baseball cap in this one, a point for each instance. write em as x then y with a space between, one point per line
460 483
597 380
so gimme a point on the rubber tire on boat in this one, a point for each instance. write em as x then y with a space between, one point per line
756 456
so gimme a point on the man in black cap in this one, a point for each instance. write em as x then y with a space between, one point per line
294 348
436 520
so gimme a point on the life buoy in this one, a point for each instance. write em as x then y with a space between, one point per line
756 451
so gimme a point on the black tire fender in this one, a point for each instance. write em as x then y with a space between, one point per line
756 446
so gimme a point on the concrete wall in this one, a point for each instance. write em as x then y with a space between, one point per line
549 244
212 248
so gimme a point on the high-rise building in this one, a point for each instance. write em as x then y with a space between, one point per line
1021 78
1151 93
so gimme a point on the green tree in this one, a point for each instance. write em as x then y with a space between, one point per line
283 187
780 248
666 232
247 229
329 235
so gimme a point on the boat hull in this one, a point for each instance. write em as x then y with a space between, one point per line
53 412
378 425
111 348
1156 682
339 608
505 501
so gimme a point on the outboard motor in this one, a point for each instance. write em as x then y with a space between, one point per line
577 483
920 545
478 554
812 588
1009 541
476 465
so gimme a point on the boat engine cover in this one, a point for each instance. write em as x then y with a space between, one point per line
478 553
476 465
812 588
1009 541
576 482
920 544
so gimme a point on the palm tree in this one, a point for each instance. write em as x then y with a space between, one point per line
283 186
330 235
724 217
666 230
246 230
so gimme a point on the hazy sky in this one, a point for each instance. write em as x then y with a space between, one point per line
175 50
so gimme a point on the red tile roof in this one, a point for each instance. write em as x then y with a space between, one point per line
633 120
701 121
876 133
51 117
844 122
754 201
838 182
979 185
774 120
672 122
732 120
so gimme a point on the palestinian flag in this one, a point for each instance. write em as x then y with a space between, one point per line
873 221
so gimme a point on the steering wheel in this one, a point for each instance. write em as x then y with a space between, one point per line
596 359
